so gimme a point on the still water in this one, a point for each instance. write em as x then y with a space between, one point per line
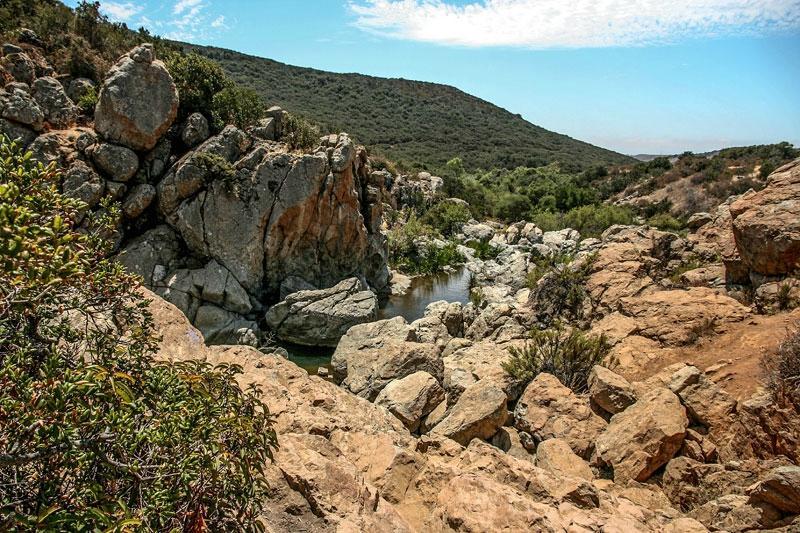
448 286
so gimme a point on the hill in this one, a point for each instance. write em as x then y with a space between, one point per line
417 124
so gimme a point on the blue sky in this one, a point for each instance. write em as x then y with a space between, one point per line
637 76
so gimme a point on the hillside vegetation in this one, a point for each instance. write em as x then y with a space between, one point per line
419 125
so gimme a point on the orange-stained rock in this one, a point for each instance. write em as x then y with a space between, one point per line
766 224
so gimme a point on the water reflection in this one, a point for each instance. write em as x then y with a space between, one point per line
449 286
452 287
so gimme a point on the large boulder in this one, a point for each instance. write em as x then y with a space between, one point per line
547 409
780 488
17 105
321 317
195 130
479 412
766 224
372 355
643 437
117 162
411 398
138 101
59 111
609 390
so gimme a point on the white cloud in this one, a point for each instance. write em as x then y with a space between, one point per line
219 22
120 12
183 5
542 24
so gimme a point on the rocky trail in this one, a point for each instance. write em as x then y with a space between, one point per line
420 427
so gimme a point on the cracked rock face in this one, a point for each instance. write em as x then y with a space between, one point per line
320 318
275 216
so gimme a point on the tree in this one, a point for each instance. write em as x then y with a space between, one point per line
96 433
198 80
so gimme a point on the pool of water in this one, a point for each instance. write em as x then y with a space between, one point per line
448 286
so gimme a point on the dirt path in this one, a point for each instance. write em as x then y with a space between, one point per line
731 358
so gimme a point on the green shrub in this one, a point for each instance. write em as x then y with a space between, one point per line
96 433
299 133
665 222
412 251
592 220
198 80
483 250
88 102
447 217
239 106
558 287
567 355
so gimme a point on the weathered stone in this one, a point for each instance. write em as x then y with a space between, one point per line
643 437
20 66
218 286
117 162
610 391
734 514
766 224
195 130
18 106
320 318
478 413
411 398
83 183
780 488
223 327
556 456
137 102
79 87
17 132
59 111
547 409
371 355
157 247
139 199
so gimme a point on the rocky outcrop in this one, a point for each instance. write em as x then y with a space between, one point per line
644 437
321 317
372 355
411 398
766 224
345 463
547 410
478 413
138 101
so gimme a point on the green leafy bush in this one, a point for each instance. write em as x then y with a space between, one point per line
592 220
239 106
568 355
412 251
299 133
558 287
88 102
665 222
198 80
483 250
96 433
447 217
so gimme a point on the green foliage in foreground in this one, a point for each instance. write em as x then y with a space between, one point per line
568 355
299 133
97 434
239 106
